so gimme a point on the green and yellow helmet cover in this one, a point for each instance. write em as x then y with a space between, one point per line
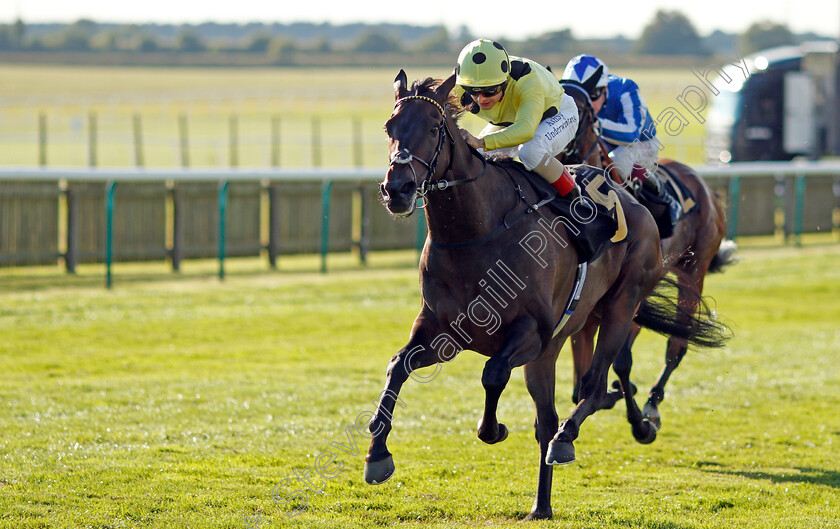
482 62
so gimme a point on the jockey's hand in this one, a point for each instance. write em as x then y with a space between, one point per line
472 141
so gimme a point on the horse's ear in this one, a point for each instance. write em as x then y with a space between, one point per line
445 88
400 85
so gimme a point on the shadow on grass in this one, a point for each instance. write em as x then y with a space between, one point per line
811 476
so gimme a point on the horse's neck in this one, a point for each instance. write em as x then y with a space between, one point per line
470 211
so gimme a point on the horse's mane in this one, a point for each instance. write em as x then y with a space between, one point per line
424 87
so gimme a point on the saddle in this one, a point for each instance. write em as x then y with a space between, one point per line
661 208
590 225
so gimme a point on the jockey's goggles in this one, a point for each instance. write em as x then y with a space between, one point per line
597 93
486 91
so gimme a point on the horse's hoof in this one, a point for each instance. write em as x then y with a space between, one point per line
560 453
645 433
377 472
651 413
616 385
538 515
501 436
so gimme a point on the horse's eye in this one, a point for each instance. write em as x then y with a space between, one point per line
434 130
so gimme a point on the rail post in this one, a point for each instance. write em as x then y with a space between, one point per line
734 201
183 140
799 209
325 223
233 140
223 188
275 141
316 141
137 127
92 154
109 231
42 140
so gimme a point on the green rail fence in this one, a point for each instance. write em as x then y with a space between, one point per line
308 211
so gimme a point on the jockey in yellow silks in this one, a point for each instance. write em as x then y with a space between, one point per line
529 113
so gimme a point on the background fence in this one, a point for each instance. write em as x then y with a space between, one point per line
97 215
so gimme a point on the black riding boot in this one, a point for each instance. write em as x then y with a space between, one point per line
652 184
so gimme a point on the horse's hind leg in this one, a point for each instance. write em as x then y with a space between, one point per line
674 354
677 348
644 431
522 345
583 347
379 464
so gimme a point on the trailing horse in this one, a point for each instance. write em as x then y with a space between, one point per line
484 291
695 248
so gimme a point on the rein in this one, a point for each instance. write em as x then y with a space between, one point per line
404 156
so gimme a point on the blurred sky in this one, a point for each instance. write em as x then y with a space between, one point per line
604 18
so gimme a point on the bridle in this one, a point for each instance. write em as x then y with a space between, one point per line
573 151
404 156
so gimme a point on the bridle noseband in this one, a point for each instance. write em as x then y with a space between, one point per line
404 156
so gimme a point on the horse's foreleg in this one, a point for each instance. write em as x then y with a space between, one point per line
418 353
539 378
521 345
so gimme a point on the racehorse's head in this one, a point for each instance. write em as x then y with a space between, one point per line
584 147
417 133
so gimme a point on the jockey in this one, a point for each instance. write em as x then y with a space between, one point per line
528 111
626 125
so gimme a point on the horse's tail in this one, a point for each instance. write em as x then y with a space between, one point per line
724 257
676 308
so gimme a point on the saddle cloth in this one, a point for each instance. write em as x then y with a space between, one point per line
660 209
591 234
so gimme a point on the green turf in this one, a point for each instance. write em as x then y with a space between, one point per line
183 401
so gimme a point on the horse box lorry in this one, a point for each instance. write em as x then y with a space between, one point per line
788 107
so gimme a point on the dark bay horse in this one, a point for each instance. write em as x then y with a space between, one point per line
483 291
696 248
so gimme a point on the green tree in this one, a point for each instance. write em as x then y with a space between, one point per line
670 33
190 42
554 42
763 35
376 42
16 34
5 39
282 50
74 39
258 44
437 42
147 44
323 45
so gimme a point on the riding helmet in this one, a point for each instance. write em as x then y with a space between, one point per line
482 62
588 70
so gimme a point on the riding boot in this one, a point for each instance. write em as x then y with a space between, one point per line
652 184
556 174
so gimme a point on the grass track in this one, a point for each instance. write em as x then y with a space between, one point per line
184 402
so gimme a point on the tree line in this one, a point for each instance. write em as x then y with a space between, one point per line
667 33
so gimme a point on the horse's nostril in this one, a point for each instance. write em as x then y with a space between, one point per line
383 191
408 188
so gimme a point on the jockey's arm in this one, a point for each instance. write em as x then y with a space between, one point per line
529 111
627 125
